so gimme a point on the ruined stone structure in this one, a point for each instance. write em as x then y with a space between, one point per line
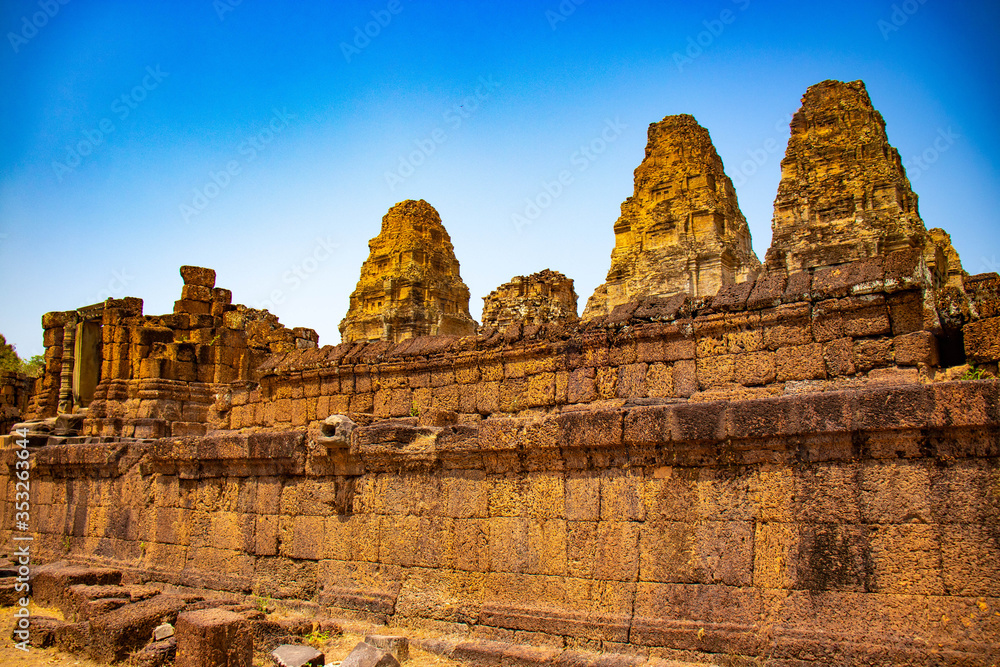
541 298
15 392
117 372
682 231
943 260
799 468
410 284
844 195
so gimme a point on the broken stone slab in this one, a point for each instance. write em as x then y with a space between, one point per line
50 585
94 608
40 633
163 631
297 655
398 645
366 655
116 634
213 638
78 596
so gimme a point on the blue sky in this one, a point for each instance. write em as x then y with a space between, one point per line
266 140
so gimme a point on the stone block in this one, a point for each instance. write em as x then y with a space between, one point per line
755 368
581 386
196 275
196 293
222 295
789 324
74 637
195 307
685 378
839 357
160 653
116 634
592 428
76 597
872 353
213 638
801 362
51 584
40 633
982 341
917 348
767 291
366 655
716 371
906 312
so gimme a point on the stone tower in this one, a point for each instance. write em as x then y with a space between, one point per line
543 297
844 195
410 285
682 229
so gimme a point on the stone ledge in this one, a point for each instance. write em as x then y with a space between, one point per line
819 426
229 454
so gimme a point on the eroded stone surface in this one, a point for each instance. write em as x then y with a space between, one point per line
943 260
682 230
543 297
844 195
410 283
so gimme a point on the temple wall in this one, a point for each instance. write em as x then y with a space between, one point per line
866 323
847 526
779 471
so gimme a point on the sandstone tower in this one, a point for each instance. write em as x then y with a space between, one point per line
844 195
541 298
682 230
410 285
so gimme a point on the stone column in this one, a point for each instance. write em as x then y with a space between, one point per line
68 363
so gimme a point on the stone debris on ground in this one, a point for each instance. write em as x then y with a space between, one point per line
298 655
162 632
398 645
366 655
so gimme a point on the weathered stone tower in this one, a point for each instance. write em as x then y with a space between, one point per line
541 298
410 284
682 230
844 195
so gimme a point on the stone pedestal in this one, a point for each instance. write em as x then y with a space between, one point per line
213 638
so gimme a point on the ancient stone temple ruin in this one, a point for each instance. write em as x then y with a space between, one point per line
410 284
793 464
541 298
844 195
682 231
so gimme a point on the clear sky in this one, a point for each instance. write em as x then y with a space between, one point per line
266 140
